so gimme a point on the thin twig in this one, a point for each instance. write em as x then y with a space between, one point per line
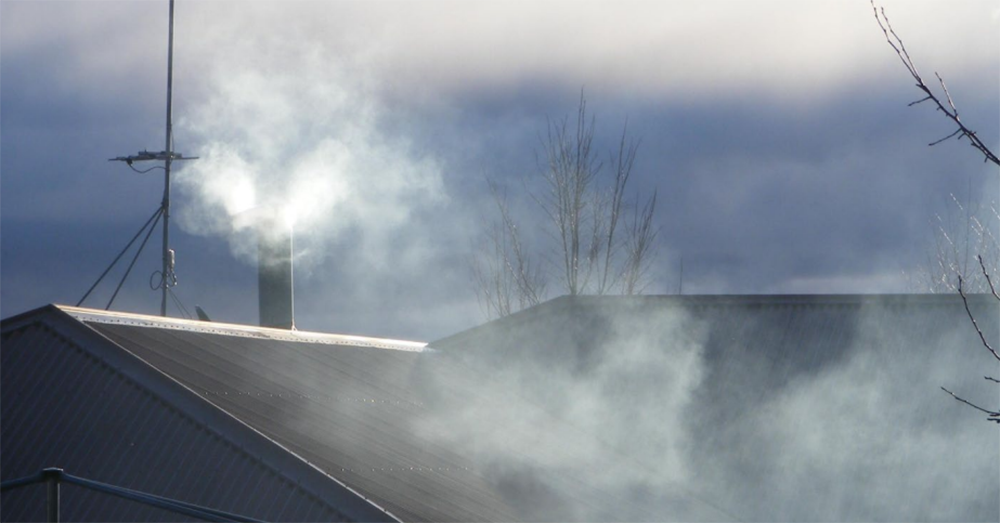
982 337
950 110
994 416
986 273
932 144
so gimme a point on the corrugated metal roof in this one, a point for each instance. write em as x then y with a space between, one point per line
65 406
348 409
389 422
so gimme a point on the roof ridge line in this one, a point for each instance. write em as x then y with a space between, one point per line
234 329
187 403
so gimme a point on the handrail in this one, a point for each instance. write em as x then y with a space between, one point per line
57 475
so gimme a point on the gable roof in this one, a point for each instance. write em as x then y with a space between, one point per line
549 414
73 399
344 404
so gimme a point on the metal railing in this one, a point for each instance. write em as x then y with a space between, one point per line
54 477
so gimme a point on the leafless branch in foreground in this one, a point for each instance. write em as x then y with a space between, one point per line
993 415
949 110
972 318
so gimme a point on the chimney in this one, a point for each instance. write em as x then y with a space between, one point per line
274 273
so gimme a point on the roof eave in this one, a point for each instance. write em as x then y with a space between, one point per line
270 453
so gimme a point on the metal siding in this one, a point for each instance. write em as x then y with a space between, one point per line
23 504
62 407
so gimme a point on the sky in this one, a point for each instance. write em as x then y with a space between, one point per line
776 135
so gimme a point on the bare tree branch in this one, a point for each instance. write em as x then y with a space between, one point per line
639 244
506 277
597 246
623 163
972 318
932 144
958 236
950 111
993 415
986 273
569 175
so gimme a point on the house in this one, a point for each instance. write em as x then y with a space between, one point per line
586 408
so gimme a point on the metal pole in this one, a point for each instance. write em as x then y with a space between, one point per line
167 265
52 476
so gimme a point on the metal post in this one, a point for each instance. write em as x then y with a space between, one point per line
169 149
168 279
52 477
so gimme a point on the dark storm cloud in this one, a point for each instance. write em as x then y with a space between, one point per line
748 213
759 198
848 188
769 181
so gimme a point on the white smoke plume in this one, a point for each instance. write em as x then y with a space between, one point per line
623 413
299 136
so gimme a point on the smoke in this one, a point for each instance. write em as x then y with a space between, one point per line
632 412
297 136
870 437
286 126
600 386
593 434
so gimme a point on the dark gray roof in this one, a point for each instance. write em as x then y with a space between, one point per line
600 408
775 407
72 400
344 404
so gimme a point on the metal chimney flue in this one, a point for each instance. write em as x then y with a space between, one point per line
275 282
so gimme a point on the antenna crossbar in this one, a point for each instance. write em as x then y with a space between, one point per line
144 156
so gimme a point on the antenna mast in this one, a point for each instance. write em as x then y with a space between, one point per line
168 255
167 277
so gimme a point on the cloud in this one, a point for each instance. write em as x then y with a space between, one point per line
381 119
774 50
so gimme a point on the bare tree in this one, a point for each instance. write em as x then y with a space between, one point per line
959 235
950 111
599 246
506 278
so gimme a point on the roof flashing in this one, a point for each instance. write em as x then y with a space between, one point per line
232 329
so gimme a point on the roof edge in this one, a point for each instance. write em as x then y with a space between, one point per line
234 329
784 299
268 452
29 316
562 303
